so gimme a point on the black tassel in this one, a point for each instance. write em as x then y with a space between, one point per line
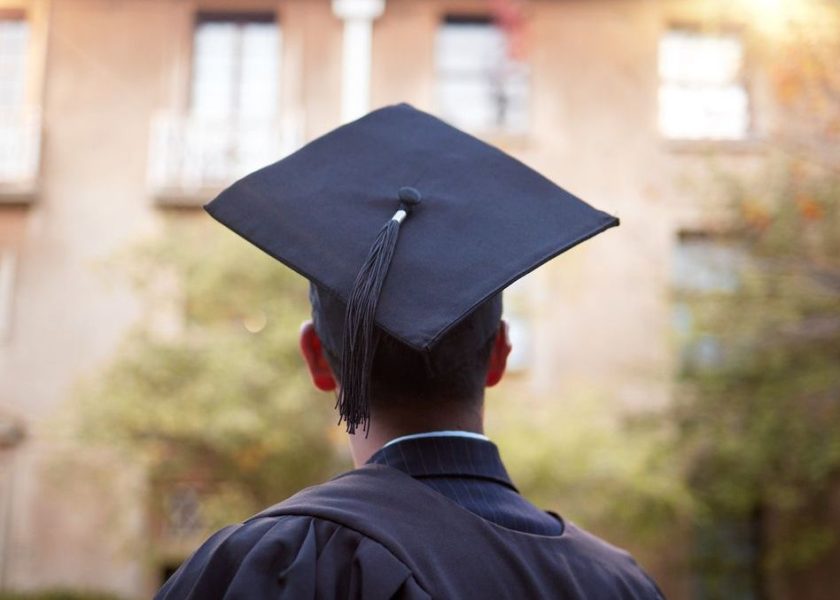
360 341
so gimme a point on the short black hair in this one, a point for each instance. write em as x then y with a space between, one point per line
453 371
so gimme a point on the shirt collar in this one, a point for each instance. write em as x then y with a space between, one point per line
430 434
440 455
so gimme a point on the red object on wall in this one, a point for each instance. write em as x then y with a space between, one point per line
510 16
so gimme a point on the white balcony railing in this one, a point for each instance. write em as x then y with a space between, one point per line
191 156
20 149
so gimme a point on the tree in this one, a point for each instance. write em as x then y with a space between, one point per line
758 422
218 404
758 405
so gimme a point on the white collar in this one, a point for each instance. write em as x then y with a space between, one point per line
432 434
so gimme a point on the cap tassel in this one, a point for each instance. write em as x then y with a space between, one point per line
360 341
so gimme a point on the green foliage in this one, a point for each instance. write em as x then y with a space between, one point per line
220 399
758 429
593 464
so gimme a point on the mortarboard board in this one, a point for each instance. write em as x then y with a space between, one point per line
408 221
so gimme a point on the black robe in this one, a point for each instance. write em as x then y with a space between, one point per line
376 532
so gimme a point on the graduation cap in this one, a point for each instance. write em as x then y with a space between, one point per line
409 223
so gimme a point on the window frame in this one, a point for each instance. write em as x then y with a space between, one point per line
240 19
190 147
697 350
20 16
750 140
501 134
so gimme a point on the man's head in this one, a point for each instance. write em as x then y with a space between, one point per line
437 386
414 224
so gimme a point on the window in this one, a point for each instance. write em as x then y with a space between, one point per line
701 92
235 66
182 506
19 122
479 86
517 313
232 125
703 264
14 41
706 263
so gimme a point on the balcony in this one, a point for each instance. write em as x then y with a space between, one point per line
20 151
192 158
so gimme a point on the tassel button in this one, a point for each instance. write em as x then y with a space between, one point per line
409 196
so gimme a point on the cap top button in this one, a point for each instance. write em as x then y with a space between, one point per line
409 195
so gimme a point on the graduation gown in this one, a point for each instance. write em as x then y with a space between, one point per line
379 532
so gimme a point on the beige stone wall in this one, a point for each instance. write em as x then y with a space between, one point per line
101 80
101 70
593 108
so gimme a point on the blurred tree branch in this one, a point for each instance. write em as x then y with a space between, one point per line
218 397
758 427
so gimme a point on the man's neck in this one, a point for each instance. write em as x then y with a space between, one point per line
383 430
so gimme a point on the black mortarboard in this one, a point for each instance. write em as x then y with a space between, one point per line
470 221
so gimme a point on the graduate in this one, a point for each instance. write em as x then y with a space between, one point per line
408 230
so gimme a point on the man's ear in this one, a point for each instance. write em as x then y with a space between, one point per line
313 353
498 356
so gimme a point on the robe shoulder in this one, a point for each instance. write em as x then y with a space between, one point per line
291 556
377 533
611 563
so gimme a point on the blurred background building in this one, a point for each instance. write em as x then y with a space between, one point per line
115 113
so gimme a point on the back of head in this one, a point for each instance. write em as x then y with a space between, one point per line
377 198
452 372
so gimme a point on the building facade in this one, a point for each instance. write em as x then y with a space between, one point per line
114 112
